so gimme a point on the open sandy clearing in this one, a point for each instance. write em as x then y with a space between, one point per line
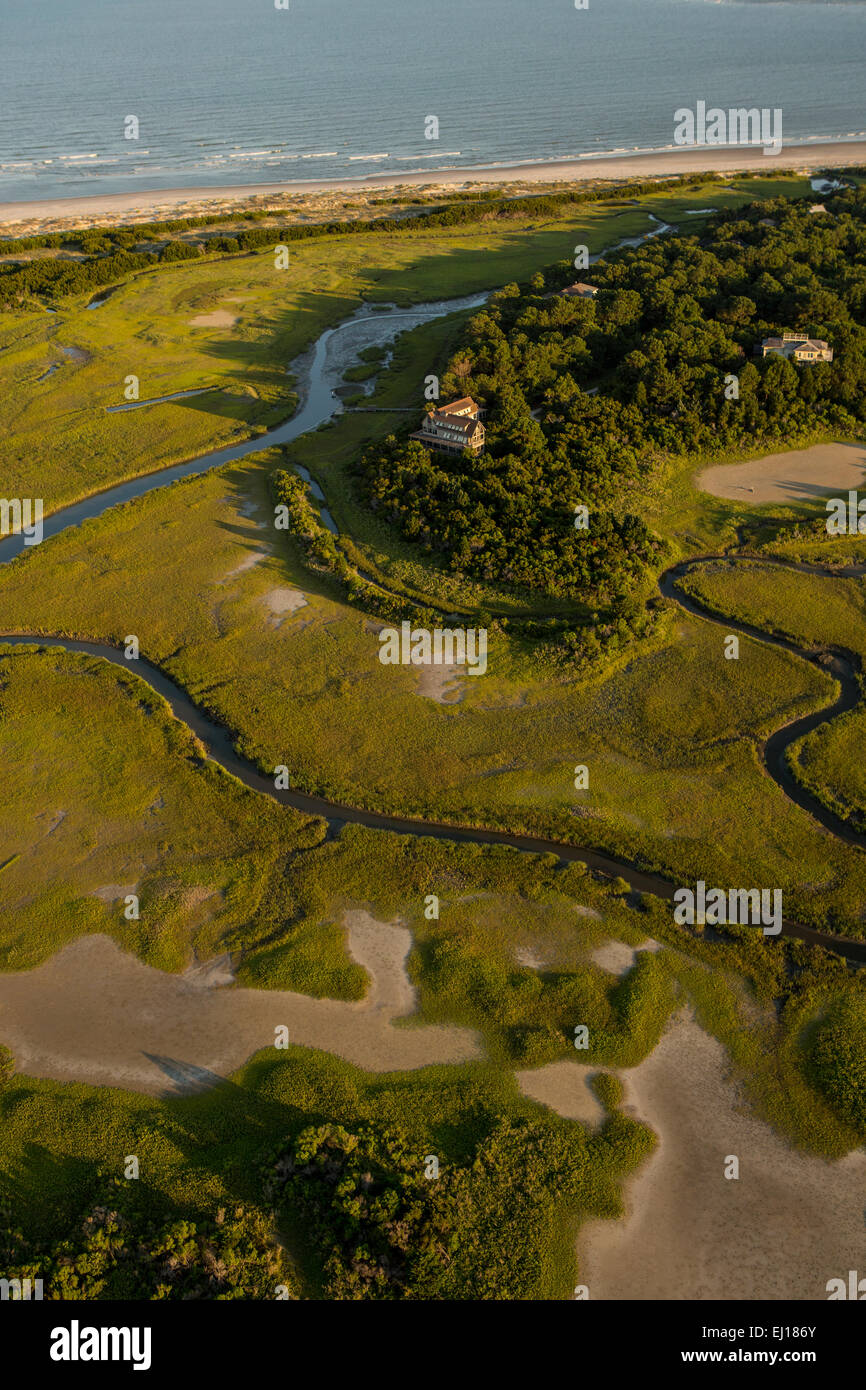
564 1086
94 1013
280 603
441 682
617 957
531 959
219 318
793 476
782 1229
112 892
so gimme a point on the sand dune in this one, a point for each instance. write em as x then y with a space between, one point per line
815 156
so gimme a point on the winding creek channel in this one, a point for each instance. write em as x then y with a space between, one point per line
319 373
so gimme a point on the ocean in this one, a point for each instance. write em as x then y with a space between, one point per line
239 91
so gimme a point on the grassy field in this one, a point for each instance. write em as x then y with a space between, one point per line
670 735
815 611
511 954
58 1142
812 610
140 811
105 792
199 1154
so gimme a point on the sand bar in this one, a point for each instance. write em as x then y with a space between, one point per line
649 164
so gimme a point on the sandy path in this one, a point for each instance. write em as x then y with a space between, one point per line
798 473
786 1226
815 155
94 1013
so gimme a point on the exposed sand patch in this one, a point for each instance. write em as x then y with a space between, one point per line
113 892
786 1226
280 603
247 563
219 318
587 912
75 354
383 951
94 1013
246 506
564 1087
799 473
211 974
442 683
530 959
614 956
617 957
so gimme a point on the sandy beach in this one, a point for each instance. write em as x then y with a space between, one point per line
643 165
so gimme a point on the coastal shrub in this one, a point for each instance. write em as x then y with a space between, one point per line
382 1229
837 1058
114 1251
108 248
609 1090
180 251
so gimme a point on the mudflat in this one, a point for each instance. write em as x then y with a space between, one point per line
781 1230
94 1013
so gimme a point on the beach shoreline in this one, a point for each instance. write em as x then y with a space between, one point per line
650 164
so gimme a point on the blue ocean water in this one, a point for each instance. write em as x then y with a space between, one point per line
238 91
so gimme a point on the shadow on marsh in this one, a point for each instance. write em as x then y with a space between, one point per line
292 332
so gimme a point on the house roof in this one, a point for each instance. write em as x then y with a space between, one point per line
794 340
452 423
453 407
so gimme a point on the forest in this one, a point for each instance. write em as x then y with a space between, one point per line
587 398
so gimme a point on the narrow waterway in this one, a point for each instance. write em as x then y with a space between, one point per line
319 373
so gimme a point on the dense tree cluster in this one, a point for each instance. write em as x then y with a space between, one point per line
115 1252
385 1230
586 397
